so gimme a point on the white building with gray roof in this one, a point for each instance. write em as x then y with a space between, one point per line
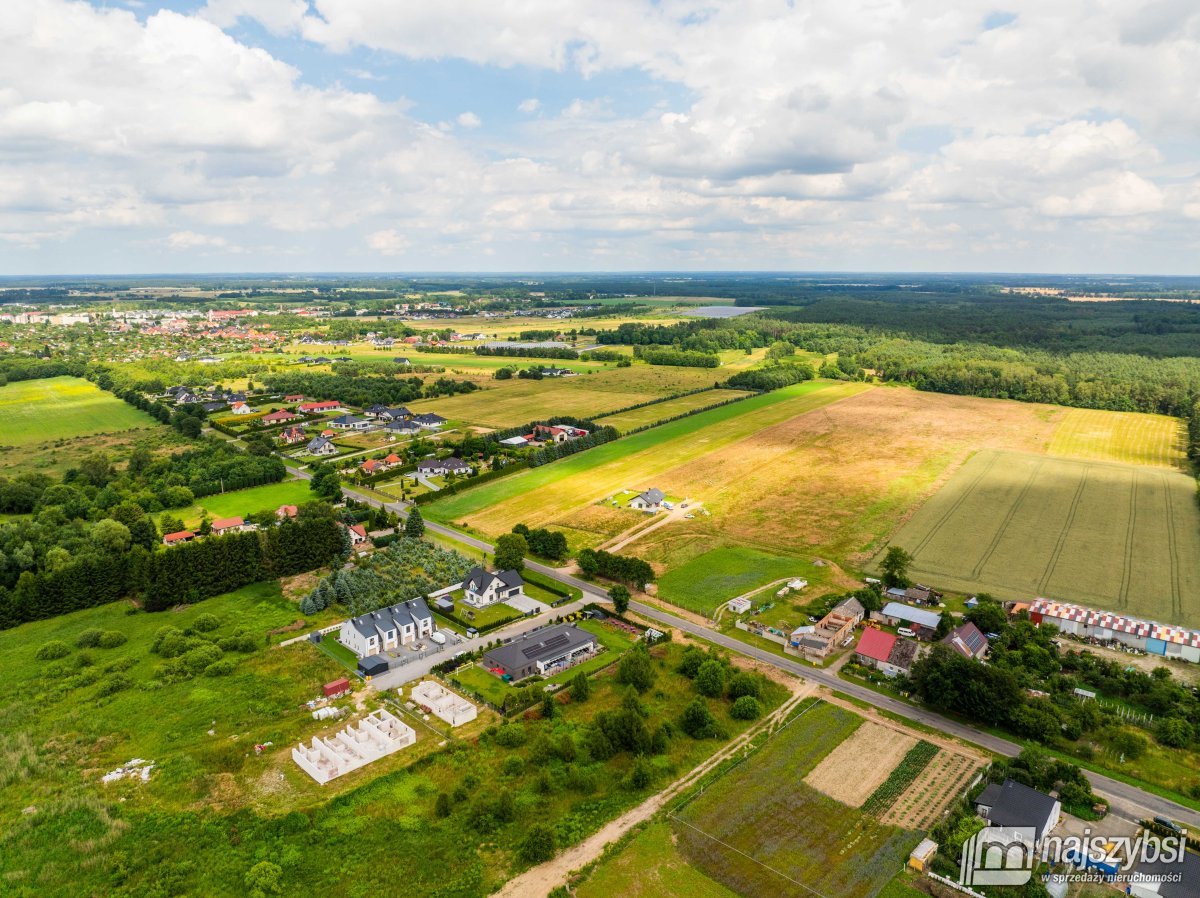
388 628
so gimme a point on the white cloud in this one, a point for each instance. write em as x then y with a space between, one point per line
389 242
469 120
192 240
530 105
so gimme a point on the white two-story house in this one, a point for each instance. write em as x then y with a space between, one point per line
388 628
482 587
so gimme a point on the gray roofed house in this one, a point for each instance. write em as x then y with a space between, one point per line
430 420
1012 804
350 422
895 613
482 587
1170 879
321 446
542 652
395 414
650 499
402 427
375 410
401 360
387 628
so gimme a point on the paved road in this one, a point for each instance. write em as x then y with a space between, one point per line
1125 800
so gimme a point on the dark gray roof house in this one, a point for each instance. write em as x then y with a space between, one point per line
430 420
542 652
401 360
967 640
479 579
651 497
395 414
1012 804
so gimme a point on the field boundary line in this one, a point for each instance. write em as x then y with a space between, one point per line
1012 512
1172 550
992 456
1064 534
1130 529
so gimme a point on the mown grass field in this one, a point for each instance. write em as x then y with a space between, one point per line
761 831
243 503
544 495
650 866
1127 437
508 403
1120 537
719 575
39 411
661 411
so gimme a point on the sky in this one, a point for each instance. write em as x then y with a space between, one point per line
542 135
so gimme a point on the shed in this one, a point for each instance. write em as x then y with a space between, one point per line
336 687
443 603
922 855
373 665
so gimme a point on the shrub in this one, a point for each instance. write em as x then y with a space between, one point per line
746 708
539 844
110 639
206 623
710 678
635 669
89 638
510 735
698 722
745 684
114 683
222 668
194 661
513 766
52 650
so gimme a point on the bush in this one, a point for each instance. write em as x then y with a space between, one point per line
698 722
89 638
52 650
110 639
745 684
710 679
194 661
510 735
539 844
635 669
206 623
222 668
746 708
513 766
114 683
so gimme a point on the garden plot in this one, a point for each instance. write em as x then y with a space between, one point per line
846 775
943 779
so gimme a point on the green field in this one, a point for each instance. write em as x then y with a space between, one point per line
650 866
543 494
761 831
1127 437
243 503
721 574
508 403
661 411
58 408
1018 525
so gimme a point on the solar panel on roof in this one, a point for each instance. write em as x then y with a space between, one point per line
552 643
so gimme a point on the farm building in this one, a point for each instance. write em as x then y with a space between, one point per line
180 536
557 433
968 641
387 628
229 525
543 652
739 605
885 652
482 587
377 735
515 442
894 614
1013 804
648 501
441 702
833 629
1147 636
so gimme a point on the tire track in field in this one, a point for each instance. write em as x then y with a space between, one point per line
1061 543
1130 530
1012 511
954 507
1173 550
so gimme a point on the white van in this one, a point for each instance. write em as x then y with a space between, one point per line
439 638
905 631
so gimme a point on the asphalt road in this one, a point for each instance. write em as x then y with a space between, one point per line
1126 801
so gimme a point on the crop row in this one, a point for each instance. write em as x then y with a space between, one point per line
903 776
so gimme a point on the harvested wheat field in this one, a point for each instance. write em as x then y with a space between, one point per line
1127 437
856 768
837 480
944 779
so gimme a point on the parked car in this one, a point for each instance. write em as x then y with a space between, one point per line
439 638
906 631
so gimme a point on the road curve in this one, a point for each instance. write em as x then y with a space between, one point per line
1126 801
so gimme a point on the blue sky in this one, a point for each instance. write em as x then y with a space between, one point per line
371 135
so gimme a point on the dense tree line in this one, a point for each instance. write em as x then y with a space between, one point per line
528 352
677 358
622 568
165 576
363 390
772 377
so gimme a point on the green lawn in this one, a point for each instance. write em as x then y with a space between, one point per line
243 503
721 574
55 408
650 866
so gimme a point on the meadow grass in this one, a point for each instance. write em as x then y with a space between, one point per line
718 575
1128 437
660 411
38 411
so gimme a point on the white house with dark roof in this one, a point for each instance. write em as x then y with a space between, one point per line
388 628
435 466
401 428
650 500
321 446
1013 805
482 587
430 421
350 422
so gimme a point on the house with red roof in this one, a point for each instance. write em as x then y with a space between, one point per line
286 511
885 652
358 534
294 397
331 405
280 417
228 525
179 536
293 435
241 408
